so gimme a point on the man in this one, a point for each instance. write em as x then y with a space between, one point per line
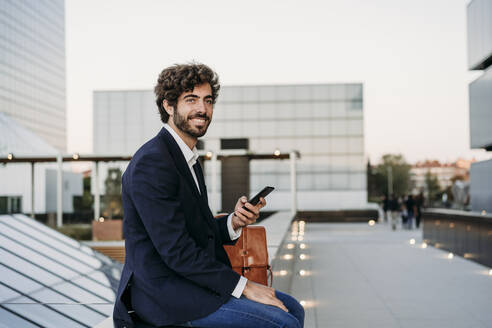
411 210
394 207
176 270
419 203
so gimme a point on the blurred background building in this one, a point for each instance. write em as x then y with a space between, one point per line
32 66
446 173
324 122
479 14
33 105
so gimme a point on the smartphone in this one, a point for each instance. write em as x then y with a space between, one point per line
256 199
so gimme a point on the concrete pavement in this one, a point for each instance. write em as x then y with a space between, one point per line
356 275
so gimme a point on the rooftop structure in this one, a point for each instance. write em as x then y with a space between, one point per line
50 280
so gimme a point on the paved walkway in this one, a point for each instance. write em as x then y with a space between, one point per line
363 276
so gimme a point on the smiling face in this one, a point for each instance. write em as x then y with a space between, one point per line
193 112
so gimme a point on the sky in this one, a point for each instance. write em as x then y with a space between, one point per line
410 55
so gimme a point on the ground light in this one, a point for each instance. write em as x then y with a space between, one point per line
490 272
290 246
302 272
101 219
302 246
450 255
283 272
424 245
372 222
412 241
303 302
288 257
303 257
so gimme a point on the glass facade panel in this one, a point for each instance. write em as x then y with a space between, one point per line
37 258
479 20
22 284
60 246
37 273
340 181
11 320
28 269
481 111
267 93
99 288
250 93
7 294
67 306
44 315
44 249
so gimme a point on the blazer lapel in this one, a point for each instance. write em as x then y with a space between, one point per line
201 180
180 161
184 170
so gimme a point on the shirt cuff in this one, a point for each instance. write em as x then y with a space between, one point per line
233 234
238 291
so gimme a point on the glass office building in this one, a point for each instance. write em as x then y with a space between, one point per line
32 66
324 122
479 14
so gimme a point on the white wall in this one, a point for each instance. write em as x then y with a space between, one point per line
72 185
15 180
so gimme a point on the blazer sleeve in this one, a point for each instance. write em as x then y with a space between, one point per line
224 231
154 191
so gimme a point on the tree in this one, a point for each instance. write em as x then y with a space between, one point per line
400 172
112 198
433 187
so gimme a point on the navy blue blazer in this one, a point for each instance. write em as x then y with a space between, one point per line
176 268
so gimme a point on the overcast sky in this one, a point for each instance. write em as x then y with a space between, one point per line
410 55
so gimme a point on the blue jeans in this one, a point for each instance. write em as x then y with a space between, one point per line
244 313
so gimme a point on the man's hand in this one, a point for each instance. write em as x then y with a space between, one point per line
262 294
242 217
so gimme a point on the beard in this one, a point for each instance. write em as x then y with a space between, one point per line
183 123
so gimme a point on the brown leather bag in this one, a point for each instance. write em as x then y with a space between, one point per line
249 256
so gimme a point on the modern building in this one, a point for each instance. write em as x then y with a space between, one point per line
33 104
32 67
16 179
324 122
479 15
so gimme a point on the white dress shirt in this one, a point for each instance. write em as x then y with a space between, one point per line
191 156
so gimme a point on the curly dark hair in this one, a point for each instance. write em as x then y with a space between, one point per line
179 78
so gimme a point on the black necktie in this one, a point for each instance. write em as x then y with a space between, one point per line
201 181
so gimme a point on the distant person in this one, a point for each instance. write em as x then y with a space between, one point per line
411 210
419 204
385 204
394 209
176 269
404 213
